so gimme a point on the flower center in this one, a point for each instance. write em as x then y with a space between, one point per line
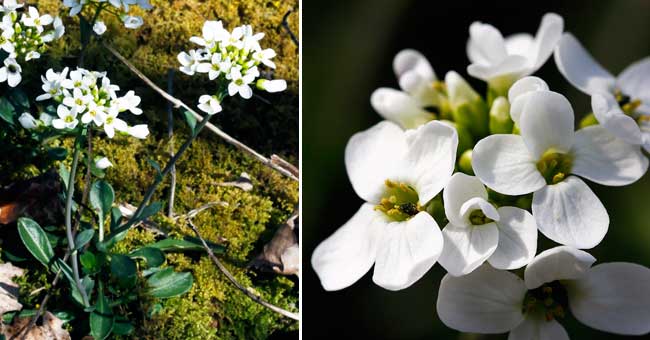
555 166
400 201
78 101
239 82
109 120
69 119
12 68
550 300
477 217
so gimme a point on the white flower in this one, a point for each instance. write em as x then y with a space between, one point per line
272 86
416 103
129 102
265 56
209 104
10 72
233 38
79 79
75 6
612 297
79 101
500 61
132 22
27 121
99 27
240 84
189 61
46 119
6 26
213 31
477 231
541 161
112 123
140 131
67 118
32 55
33 19
103 163
55 33
95 113
396 172
10 5
622 104
52 84
213 68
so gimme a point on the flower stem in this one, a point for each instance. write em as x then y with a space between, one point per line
68 219
158 179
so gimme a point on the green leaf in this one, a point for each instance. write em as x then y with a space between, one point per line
18 97
150 210
57 154
116 216
153 256
123 269
7 111
83 238
65 316
190 120
101 197
89 262
168 283
122 327
64 173
170 244
155 165
86 283
35 240
11 257
101 319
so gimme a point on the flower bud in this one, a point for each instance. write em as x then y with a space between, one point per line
27 121
468 108
465 162
103 163
138 131
271 86
500 121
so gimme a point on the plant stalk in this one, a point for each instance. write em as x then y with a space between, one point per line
68 220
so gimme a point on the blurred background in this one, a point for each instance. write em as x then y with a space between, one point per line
348 48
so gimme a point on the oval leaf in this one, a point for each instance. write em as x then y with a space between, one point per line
101 319
101 197
153 256
36 241
123 269
83 238
168 283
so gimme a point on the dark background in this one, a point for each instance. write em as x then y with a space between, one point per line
348 48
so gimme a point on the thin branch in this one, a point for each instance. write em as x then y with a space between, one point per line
285 24
178 103
234 281
170 134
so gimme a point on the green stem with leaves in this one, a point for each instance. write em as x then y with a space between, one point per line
68 218
158 179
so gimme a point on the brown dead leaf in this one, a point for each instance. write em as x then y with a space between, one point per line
51 329
281 255
9 289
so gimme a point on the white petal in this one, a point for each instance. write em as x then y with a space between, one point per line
519 93
605 159
570 213
430 158
13 79
58 124
484 301
486 44
407 251
459 190
478 203
520 44
348 254
549 33
538 329
580 68
413 61
635 80
399 107
613 297
373 156
559 263
517 239
505 165
467 247
609 114
245 91
510 68
547 122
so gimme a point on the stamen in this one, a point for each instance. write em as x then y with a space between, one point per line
555 166
400 201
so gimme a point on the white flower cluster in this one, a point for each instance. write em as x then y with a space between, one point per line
24 39
520 142
86 97
119 8
231 58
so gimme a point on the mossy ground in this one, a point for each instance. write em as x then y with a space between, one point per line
214 308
